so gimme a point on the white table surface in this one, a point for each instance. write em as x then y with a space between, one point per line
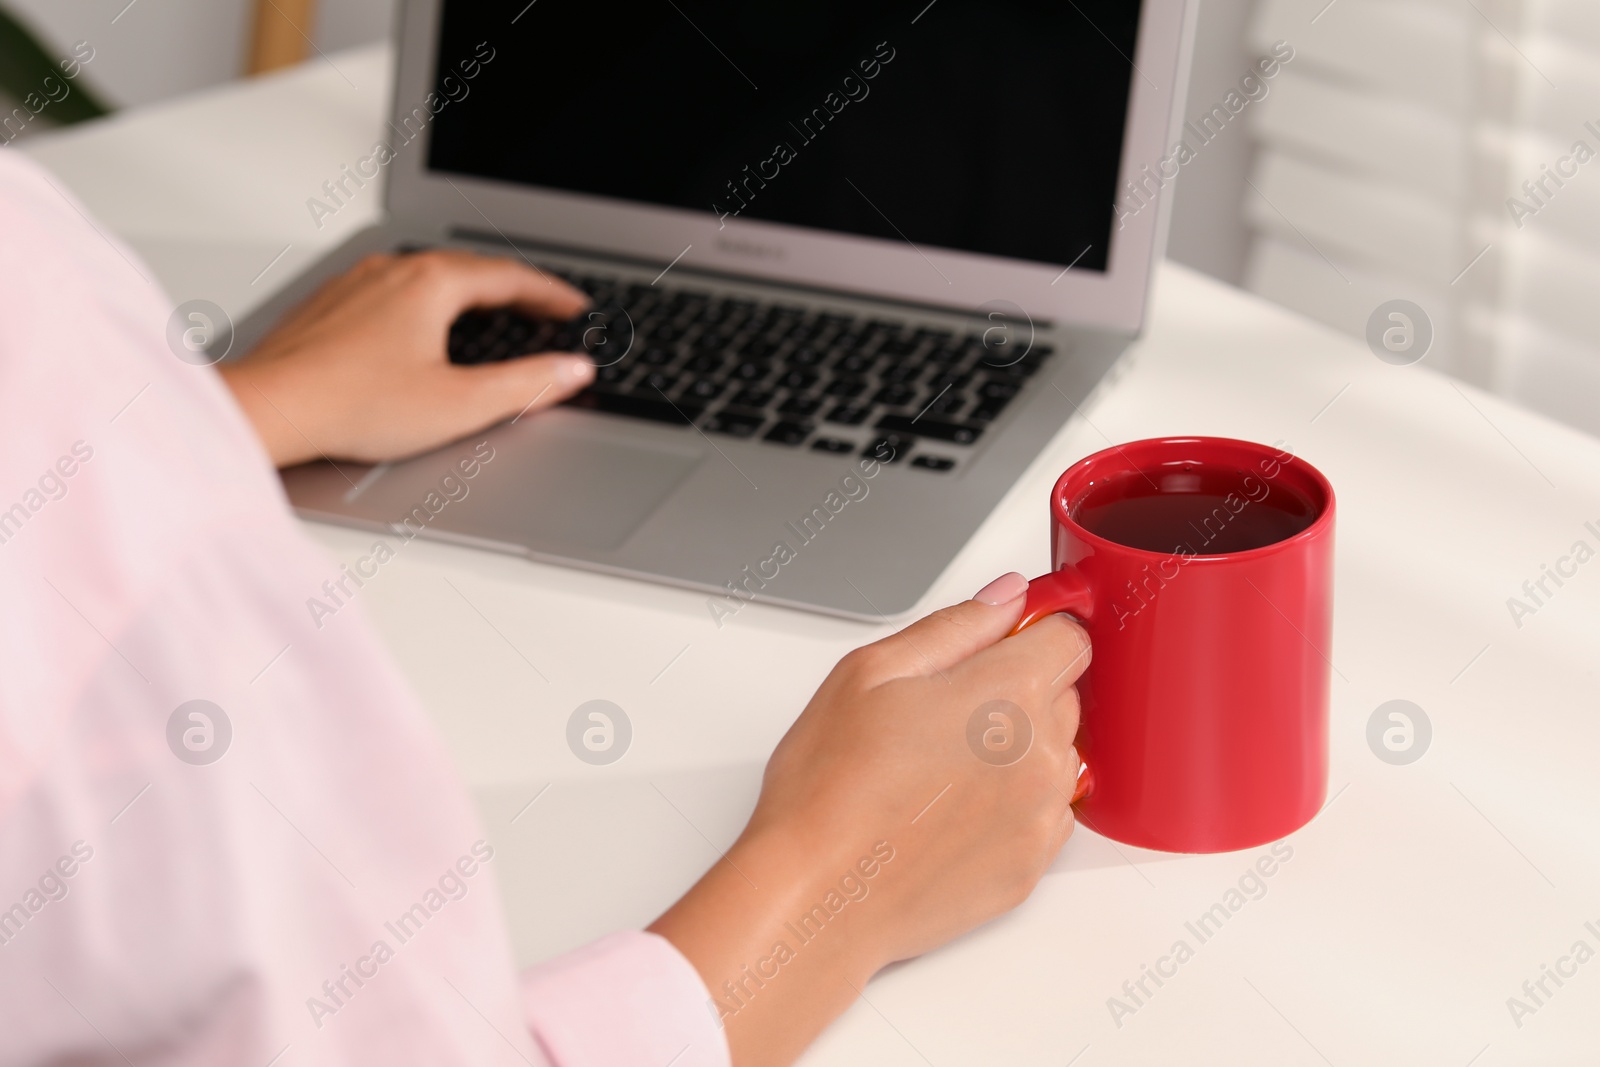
1414 905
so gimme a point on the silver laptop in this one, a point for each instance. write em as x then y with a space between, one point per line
852 267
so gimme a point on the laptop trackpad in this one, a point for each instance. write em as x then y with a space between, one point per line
562 486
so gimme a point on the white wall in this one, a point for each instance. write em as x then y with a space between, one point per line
345 23
159 48
1208 227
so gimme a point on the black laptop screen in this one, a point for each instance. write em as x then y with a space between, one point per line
990 126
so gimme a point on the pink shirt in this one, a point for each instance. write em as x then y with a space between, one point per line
322 893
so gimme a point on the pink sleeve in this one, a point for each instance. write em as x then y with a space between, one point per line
193 900
625 1000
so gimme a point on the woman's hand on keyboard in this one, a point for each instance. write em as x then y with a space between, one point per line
360 370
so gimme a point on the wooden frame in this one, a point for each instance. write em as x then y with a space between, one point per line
281 34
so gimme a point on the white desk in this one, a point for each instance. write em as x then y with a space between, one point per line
1415 904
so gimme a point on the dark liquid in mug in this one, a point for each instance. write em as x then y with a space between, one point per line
1200 509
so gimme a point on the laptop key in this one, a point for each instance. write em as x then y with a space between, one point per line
853 363
600 348
1015 366
682 413
704 363
987 411
735 423
947 404
992 399
950 379
798 379
995 389
894 396
934 463
705 389
846 387
636 315
850 414
800 405
473 336
789 432
956 433
780 331
655 383
753 396
831 444
890 448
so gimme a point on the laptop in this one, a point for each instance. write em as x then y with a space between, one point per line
852 266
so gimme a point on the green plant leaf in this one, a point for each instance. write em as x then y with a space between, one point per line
24 66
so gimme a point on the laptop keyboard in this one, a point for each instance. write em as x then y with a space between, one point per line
790 376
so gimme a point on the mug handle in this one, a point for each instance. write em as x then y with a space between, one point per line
1065 591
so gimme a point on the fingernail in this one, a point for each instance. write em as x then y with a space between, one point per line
577 370
1003 590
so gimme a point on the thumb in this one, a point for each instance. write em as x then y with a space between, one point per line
950 635
496 391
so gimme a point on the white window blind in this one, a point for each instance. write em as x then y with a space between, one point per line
1386 163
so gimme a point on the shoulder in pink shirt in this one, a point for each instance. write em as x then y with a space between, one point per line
321 892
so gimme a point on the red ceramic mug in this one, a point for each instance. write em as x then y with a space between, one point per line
1202 568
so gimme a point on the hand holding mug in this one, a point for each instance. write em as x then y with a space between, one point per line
877 796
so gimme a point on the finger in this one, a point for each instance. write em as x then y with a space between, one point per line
1052 654
1064 711
1055 809
495 391
468 280
937 643
1068 789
